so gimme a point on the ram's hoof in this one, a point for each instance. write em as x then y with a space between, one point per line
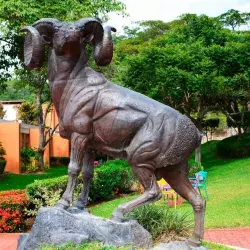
117 217
78 205
62 204
193 243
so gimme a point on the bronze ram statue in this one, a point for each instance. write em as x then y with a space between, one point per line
95 114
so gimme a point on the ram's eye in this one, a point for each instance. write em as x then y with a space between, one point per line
56 29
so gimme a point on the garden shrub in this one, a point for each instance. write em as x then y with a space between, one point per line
194 167
29 160
159 219
110 179
234 147
2 165
59 161
12 211
2 159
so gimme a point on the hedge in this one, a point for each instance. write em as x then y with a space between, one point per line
110 179
234 147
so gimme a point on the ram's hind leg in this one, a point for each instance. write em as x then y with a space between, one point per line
146 176
181 184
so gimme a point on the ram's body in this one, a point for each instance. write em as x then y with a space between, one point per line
121 120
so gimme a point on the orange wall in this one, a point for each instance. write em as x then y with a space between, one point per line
59 146
10 138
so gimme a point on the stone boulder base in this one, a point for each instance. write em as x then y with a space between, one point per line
58 226
177 245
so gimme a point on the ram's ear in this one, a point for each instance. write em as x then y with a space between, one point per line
33 48
88 38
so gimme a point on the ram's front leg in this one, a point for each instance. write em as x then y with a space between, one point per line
78 145
87 175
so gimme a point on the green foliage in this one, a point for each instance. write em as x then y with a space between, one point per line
110 179
233 147
194 167
2 159
28 112
234 18
59 161
193 64
17 14
14 92
2 112
159 219
211 123
2 165
241 119
85 246
29 160
2 150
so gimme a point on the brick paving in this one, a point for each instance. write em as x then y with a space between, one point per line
235 237
8 241
238 237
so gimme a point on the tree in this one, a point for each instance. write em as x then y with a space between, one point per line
195 66
2 112
27 113
16 14
233 18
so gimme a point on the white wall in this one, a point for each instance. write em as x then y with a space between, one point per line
11 112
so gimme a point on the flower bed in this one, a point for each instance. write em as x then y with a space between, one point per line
12 211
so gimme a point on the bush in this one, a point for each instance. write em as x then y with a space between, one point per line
194 167
110 179
233 147
159 219
59 161
2 160
12 211
2 165
29 160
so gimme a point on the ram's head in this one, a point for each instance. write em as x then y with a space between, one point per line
67 39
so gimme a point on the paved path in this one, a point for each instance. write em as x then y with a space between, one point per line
238 237
8 241
235 237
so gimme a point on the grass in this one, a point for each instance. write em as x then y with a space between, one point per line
20 181
228 188
100 246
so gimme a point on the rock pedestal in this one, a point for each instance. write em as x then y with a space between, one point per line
177 245
55 226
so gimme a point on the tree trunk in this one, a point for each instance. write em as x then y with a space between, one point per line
198 154
41 128
198 150
40 159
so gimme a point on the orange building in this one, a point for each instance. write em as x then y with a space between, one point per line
15 135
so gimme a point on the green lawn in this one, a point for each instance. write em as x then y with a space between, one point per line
20 181
228 188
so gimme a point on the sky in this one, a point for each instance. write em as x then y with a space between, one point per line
168 10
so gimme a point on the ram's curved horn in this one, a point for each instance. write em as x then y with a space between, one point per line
33 48
34 41
102 40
